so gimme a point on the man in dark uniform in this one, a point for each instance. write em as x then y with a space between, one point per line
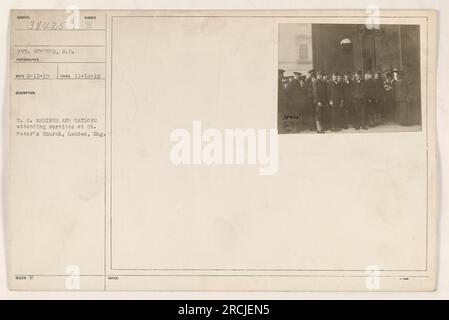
303 97
402 101
379 98
389 102
335 102
347 100
289 90
320 100
325 116
297 95
283 100
358 101
310 109
370 97
340 81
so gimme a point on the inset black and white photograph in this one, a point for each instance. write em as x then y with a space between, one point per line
348 78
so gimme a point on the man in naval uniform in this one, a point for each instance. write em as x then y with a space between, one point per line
358 101
347 112
320 100
335 102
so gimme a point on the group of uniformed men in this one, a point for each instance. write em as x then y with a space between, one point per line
321 102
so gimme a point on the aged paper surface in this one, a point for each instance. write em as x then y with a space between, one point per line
145 153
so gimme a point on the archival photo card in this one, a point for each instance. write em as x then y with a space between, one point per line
219 150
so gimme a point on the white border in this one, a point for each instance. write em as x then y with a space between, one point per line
442 124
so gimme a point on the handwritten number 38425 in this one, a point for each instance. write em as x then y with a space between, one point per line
45 25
